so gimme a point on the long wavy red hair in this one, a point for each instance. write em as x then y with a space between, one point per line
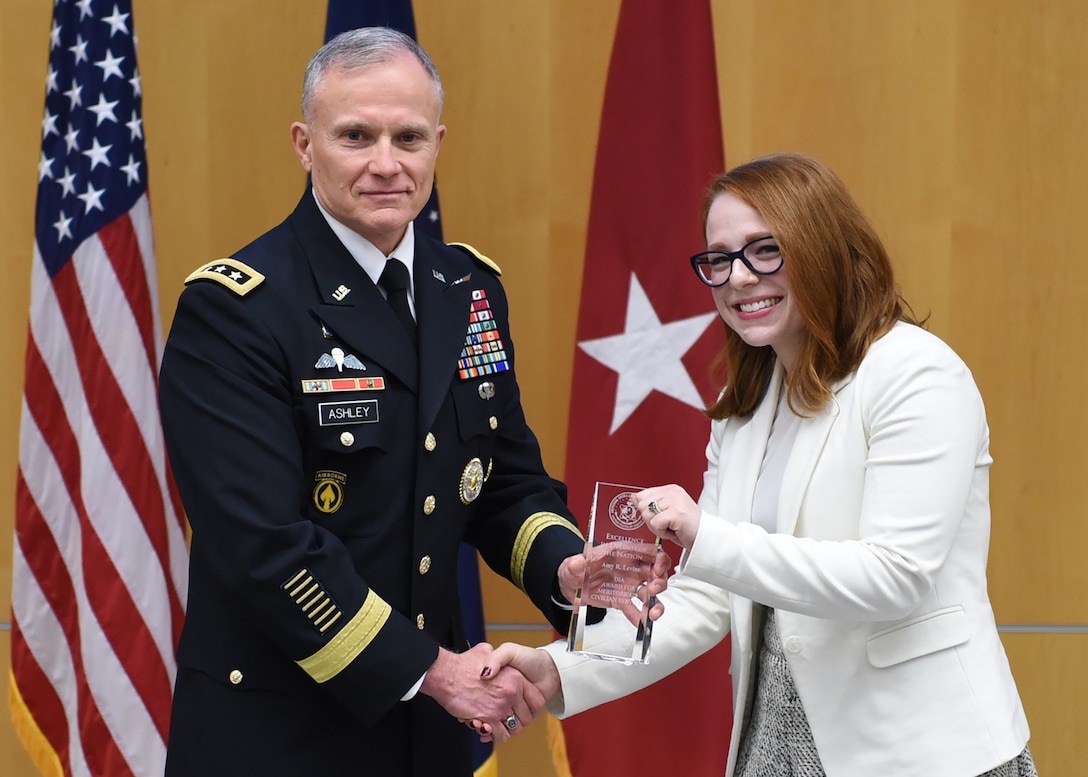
840 275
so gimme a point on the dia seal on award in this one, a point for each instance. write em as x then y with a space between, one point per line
620 552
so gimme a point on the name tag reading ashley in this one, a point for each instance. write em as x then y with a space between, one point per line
356 411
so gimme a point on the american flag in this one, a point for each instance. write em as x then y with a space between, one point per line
100 557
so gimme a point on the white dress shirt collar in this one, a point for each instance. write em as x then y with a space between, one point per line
368 256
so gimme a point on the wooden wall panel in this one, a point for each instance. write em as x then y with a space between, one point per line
1052 677
24 32
867 88
222 83
24 35
1018 285
959 125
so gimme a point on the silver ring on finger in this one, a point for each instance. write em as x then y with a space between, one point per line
653 507
511 722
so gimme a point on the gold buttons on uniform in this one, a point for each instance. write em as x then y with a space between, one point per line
428 505
430 443
420 623
235 677
493 422
424 565
347 439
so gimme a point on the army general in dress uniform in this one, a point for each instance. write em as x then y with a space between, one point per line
331 459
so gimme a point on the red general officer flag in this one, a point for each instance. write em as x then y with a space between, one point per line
647 333
100 555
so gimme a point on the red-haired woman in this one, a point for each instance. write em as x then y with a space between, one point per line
842 533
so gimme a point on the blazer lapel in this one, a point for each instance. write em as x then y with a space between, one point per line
351 305
807 449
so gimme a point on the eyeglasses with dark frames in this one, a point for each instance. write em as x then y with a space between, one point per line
761 256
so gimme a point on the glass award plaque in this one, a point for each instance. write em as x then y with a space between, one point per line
620 552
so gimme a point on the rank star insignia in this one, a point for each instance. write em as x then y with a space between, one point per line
236 276
472 481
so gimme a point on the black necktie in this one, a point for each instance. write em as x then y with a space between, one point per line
394 280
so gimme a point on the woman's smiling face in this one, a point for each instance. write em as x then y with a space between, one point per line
758 308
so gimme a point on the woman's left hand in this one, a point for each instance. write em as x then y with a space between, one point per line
670 513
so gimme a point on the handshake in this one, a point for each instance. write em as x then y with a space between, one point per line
499 691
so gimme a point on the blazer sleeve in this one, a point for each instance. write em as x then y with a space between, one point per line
696 619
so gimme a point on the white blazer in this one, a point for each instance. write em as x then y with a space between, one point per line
877 574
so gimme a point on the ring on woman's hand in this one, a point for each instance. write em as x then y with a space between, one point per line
653 507
511 722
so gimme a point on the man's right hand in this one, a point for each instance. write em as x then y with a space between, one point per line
472 688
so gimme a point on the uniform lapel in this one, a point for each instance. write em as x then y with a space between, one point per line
443 304
351 306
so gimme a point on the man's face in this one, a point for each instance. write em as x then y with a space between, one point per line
370 146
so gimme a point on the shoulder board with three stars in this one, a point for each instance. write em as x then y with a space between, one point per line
236 276
478 256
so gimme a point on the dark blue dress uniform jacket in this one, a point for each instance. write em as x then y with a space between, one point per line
329 472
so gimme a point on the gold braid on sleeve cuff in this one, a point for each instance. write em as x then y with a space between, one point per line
349 642
527 535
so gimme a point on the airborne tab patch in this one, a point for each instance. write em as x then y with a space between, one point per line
236 276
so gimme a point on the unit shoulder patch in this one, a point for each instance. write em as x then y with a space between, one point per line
485 261
236 276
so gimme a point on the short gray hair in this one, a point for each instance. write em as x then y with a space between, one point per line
361 48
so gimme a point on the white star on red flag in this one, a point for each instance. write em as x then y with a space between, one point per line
648 355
